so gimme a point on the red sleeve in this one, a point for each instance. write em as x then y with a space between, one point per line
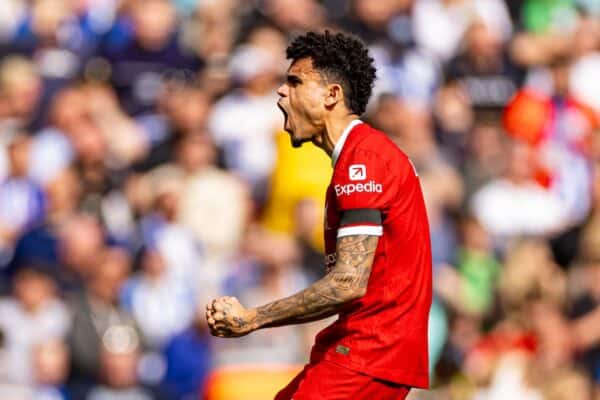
365 187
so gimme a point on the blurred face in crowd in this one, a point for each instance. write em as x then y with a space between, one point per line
305 100
68 110
63 193
188 108
483 42
18 154
587 37
195 152
72 113
519 167
376 14
167 193
33 289
270 40
154 21
308 219
387 116
153 263
474 236
120 368
109 275
47 16
486 144
295 14
51 363
20 86
81 241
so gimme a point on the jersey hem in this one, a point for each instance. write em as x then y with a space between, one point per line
408 378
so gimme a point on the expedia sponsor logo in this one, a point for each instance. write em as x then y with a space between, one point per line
369 187
357 172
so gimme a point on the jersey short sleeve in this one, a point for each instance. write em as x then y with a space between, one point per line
364 188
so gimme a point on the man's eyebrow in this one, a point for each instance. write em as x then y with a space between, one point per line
293 79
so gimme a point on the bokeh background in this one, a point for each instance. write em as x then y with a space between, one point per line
143 171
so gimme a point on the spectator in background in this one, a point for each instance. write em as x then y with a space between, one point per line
95 311
216 25
22 202
586 60
10 15
51 365
161 229
189 359
183 110
161 305
23 93
440 25
471 287
53 149
515 204
80 240
381 23
215 205
559 128
484 156
33 315
295 15
118 368
124 140
54 37
40 245
244 122
149 49
483 70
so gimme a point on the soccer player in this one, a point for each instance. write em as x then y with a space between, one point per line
378 256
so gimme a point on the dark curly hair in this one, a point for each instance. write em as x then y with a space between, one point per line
341 58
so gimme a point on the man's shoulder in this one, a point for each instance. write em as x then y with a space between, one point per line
377 145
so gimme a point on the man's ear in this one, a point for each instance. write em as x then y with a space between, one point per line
334 95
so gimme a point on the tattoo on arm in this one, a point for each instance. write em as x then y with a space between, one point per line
345 282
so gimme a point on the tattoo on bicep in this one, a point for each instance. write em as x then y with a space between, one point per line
355 255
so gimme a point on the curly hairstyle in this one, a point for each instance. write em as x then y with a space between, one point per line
341 58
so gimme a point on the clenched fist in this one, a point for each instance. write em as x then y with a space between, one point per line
227 318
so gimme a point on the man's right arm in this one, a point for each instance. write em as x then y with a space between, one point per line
345 282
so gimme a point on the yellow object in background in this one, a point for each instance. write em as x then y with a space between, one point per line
252 382
300 174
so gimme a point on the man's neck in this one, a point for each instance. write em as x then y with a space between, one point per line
334 128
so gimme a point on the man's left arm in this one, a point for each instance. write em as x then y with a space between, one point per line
345 282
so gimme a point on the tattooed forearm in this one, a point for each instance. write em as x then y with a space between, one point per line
346 281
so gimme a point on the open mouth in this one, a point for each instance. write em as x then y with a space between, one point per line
285 117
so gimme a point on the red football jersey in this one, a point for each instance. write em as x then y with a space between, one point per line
375 190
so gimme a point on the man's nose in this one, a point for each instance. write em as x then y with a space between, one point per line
282 90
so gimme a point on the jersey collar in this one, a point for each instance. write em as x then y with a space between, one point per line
337 149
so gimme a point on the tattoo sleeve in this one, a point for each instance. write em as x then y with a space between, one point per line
345 282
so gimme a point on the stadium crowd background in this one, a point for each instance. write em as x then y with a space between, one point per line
144 171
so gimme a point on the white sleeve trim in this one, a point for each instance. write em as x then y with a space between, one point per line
360 230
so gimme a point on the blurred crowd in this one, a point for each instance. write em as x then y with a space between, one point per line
143 171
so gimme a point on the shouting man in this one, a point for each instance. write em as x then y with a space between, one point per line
378 256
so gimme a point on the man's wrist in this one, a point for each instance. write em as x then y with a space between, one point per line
251 319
